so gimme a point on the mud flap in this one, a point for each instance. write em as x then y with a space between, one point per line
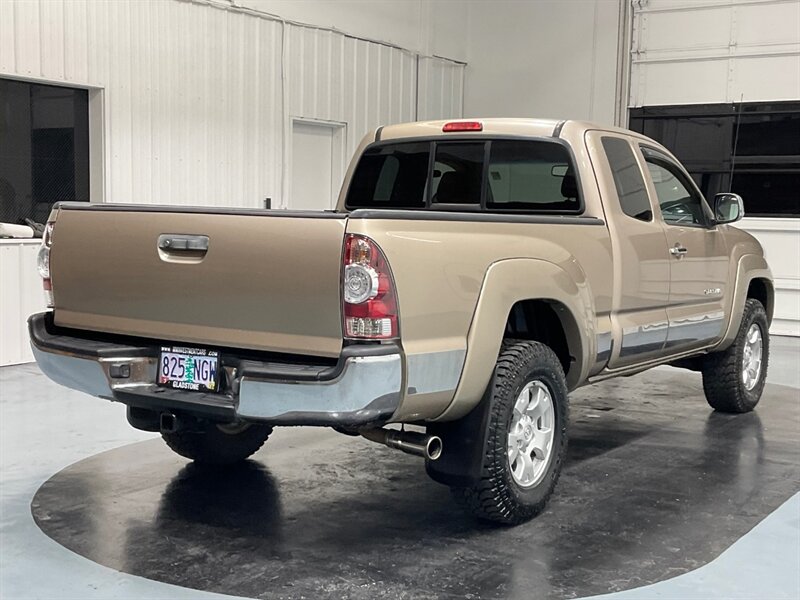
463 443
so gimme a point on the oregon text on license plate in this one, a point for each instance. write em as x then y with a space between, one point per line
188 369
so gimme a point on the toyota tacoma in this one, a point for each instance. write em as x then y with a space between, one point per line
472 274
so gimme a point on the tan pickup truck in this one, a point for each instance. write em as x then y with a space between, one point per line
472 274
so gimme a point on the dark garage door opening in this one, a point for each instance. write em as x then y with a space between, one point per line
760 140
44 148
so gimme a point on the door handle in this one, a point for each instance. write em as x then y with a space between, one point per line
170 242
678 250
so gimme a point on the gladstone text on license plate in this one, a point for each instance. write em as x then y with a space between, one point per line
188 369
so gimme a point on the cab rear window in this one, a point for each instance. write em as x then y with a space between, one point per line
527 176
391 176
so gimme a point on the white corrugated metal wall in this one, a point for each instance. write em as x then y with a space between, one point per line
17 301
714 51
191 101
193 93
441 89
372 84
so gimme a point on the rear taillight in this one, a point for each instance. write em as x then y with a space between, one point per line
43 263
368 295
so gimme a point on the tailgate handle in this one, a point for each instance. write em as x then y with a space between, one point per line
170 242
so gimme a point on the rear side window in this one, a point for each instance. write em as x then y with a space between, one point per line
391 176
628 180
527 176
531 176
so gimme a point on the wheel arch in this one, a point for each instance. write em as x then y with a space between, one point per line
532 299
753 280
548 321
762 289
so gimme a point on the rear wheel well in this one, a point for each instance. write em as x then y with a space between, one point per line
761 290
543 321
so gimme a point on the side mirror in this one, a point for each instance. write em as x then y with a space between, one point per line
728 208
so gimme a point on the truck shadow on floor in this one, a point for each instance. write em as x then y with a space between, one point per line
645 495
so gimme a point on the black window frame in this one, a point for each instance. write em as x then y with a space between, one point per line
473 208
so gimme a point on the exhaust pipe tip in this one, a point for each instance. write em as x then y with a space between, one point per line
410 442
433 447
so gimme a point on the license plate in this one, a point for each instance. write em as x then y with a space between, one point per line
192 369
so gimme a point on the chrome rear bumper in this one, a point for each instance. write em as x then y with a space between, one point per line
362 388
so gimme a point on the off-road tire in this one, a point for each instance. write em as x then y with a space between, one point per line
722 371
496 496
211 444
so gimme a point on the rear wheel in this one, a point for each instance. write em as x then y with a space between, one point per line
217 444
734 379
526 439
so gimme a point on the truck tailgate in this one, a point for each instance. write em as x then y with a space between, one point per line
268 280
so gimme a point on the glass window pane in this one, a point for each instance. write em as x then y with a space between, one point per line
769 135
765 194
457 173
525 175
679 205
628 180
390 176
703 137
15 151
44 149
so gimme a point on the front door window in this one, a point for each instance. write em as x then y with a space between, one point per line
680 203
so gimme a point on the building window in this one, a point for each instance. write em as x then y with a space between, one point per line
44 149
765 154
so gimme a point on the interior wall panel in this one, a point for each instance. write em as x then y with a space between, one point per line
20 295
781 241
547 59
346 80
707 51
194 105
718 51
441 89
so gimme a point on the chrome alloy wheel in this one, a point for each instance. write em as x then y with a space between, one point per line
530 436
751 357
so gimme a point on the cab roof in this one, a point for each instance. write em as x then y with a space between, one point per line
494 126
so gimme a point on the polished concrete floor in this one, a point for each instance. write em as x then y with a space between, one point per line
656 486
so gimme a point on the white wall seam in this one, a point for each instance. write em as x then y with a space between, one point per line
229 5
593 73
698 5
729 53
